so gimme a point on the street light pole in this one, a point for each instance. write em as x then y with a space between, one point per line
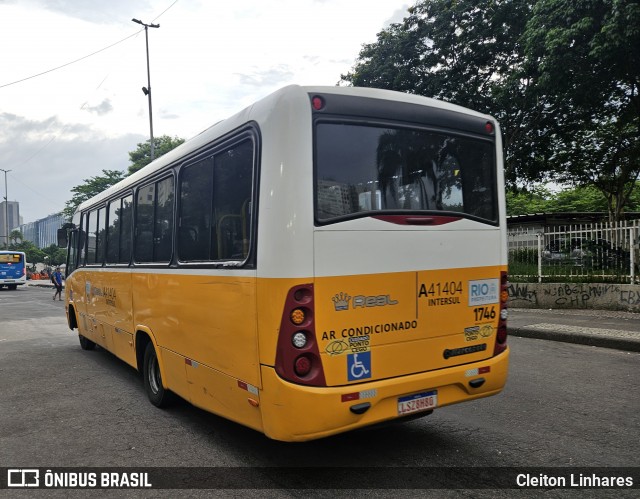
147 90
6 207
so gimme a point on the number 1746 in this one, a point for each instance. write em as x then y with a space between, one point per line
484 313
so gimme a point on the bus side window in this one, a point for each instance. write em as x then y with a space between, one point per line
72 256
195 211
92 228
144 224
163 224
232 181
82 242
126 229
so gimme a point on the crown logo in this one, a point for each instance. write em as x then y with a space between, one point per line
341 301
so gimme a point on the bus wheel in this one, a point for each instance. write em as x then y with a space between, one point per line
85 343
12 287
153 379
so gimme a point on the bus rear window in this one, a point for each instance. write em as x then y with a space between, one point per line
10 258
362 170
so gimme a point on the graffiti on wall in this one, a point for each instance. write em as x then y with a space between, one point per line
630 297
522 294
580 296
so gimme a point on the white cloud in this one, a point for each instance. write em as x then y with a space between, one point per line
208 60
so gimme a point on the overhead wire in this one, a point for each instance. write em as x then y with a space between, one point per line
69 63
43 196
86 56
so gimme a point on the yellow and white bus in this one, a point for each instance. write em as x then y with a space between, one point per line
326 259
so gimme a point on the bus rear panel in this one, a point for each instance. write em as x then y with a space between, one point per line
406 311
13 269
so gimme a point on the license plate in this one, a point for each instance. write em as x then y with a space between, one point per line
417 402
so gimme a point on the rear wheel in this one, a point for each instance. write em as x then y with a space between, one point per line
85 343
152 378
12 287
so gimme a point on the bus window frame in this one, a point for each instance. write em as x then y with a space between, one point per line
250 131
120 197
384 123
73 240
155 180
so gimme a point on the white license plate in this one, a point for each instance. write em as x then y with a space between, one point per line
417 402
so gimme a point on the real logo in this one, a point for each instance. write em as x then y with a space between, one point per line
341 301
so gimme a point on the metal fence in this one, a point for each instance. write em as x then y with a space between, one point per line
595 252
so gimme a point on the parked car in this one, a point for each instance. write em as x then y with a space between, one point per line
599 254
557 251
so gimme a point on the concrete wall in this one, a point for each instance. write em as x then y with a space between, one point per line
598 296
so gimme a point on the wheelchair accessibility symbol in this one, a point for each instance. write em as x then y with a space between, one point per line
359 366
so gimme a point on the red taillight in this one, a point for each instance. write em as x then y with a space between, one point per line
297 356
317 102
501 335
488 127
302 366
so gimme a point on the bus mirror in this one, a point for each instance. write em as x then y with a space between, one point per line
62 238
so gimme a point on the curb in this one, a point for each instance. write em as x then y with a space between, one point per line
618 342
45 284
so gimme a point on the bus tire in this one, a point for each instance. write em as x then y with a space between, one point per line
12 287
85 343
152 378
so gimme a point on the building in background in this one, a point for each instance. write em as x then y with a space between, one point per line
13 211
43 232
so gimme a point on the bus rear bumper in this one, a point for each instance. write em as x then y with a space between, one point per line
296 413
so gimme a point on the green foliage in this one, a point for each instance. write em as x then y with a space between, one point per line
561 76
528 202
91 187
590 74
580 199
470 55
141 157
15 236
56 256
33 253
577 199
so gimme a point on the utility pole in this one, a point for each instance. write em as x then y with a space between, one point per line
147 90
6 207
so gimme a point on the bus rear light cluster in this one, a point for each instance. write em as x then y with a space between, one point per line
297 356
501 336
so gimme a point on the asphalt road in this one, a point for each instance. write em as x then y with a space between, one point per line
565 405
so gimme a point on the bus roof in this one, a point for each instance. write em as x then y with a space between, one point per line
258 111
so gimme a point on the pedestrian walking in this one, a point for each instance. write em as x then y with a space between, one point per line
56 279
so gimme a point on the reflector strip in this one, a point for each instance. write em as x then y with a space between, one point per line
365 394
191 363
248 387
474 372
347 397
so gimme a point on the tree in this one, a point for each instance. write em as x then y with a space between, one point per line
91 187
57 256
141 157
590 75
561 76
469 54
528 202
573 199
33 253
16 236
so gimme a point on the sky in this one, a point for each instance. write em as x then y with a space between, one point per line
208 60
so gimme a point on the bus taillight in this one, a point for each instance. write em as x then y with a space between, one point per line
297 356
501 336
